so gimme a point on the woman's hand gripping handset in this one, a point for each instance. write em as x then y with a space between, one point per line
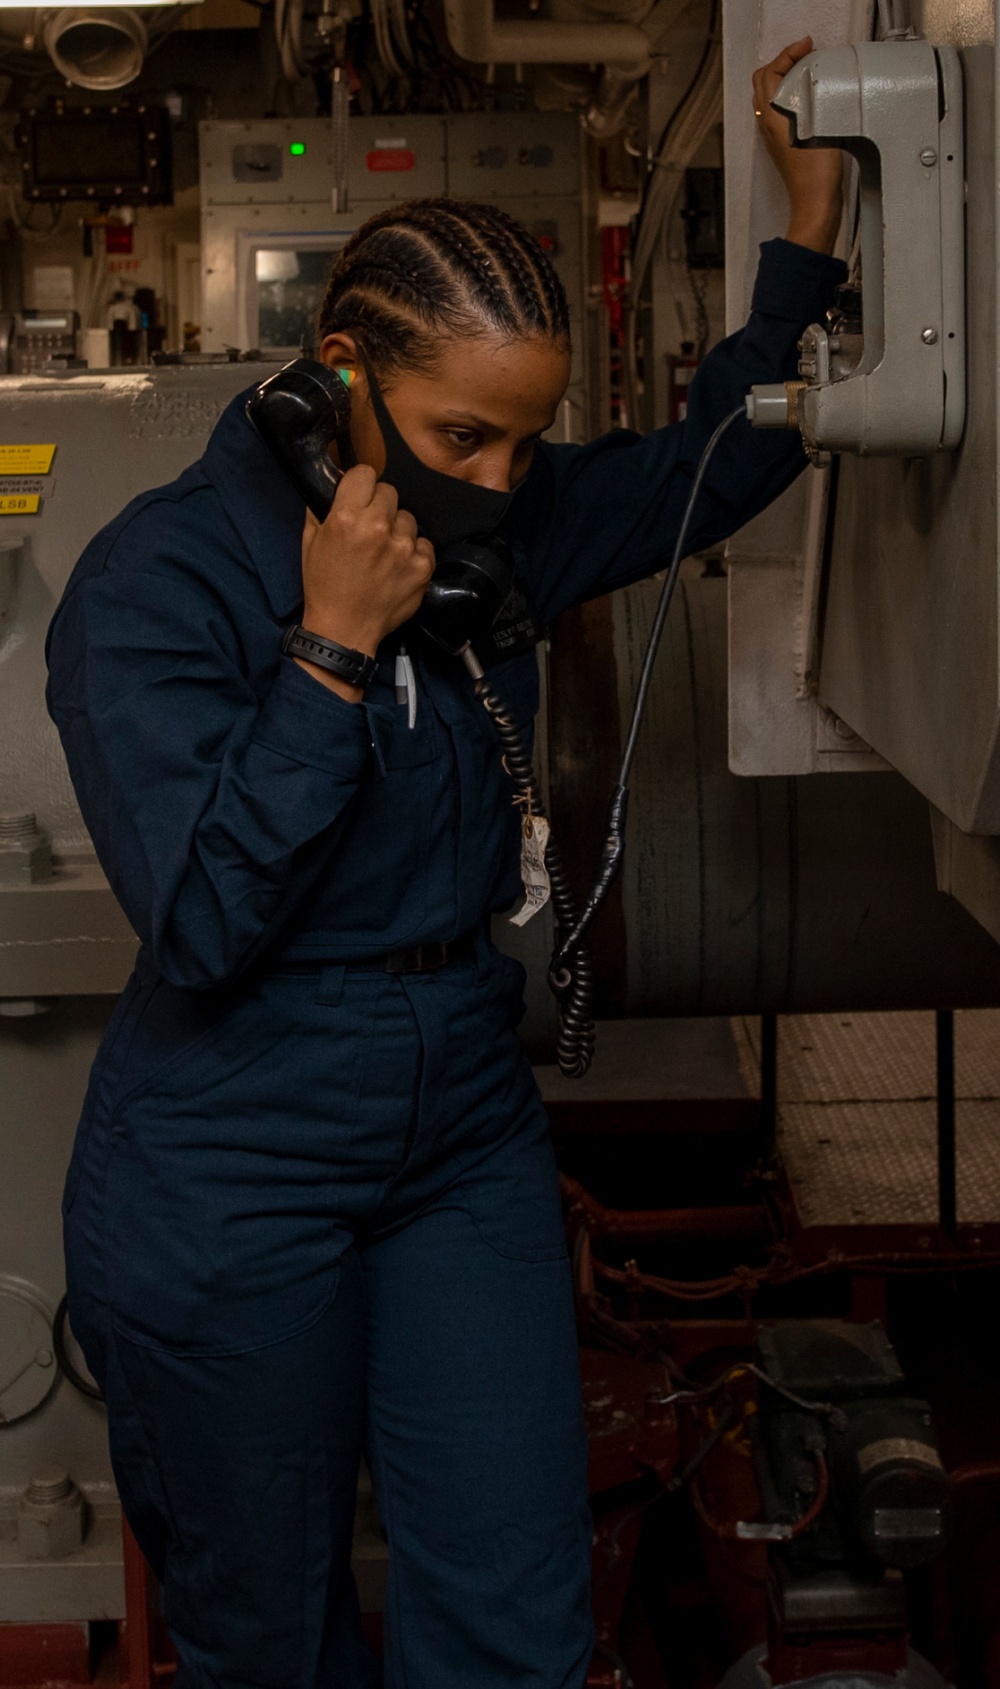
813 176
364 570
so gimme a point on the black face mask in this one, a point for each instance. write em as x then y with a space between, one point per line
446 508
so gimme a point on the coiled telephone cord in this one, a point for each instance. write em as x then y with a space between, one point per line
571 970
573 985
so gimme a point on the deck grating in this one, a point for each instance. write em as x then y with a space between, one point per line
857 1114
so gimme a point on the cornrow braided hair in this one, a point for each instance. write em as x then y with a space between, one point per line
436 267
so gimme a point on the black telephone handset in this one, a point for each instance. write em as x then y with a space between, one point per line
299 413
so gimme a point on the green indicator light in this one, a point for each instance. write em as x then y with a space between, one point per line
296 148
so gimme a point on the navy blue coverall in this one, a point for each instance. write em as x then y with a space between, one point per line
312 1208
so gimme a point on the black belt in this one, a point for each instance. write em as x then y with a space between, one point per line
417 959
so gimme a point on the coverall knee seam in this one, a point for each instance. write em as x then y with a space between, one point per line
384 1501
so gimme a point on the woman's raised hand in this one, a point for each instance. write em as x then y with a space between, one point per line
813 176
364 570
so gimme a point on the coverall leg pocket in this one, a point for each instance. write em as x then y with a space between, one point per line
223 1212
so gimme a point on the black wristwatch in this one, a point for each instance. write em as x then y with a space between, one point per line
352 666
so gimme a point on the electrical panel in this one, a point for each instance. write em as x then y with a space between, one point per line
277 161
494 155
269 235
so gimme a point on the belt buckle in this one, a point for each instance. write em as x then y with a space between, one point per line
421 959
430 957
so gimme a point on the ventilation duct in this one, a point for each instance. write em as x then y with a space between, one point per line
95 48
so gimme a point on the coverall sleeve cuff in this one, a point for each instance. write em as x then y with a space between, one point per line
794 282
307 723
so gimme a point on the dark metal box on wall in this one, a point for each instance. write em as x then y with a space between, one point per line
113 155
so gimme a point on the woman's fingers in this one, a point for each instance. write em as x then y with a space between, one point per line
768 78
425 551
812 176
385 500
405 525
791 55
356 488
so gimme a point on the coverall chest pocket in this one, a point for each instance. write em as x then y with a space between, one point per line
379 879
409 747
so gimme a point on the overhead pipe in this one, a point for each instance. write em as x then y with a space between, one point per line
101 47
474 33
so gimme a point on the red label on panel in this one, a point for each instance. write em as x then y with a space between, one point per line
392 158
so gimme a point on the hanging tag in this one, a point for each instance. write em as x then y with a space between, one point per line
535 875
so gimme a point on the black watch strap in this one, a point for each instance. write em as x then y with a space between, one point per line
352 666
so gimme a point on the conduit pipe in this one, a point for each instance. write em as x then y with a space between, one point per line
475 34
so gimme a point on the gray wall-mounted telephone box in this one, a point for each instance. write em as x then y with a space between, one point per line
887 374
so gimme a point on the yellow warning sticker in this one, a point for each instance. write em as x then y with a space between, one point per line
18 504
26 460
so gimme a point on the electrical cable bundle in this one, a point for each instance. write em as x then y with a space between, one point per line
392 36
697 112
428 81
390 46
288 36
